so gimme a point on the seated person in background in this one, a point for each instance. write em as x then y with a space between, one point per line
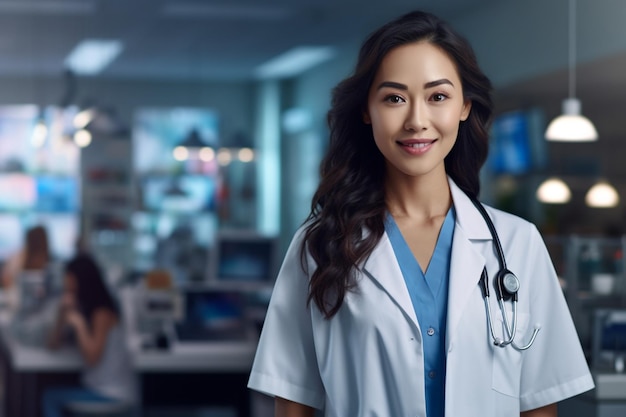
30 275
35 255
89 311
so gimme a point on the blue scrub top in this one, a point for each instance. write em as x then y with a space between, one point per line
429 295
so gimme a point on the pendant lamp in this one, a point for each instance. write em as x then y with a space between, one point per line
192 143
554 191
571 126
602 195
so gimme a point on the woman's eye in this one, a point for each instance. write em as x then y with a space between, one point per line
439 97
394 99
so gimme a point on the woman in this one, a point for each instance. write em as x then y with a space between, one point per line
34 256
88 310
29 276
378 309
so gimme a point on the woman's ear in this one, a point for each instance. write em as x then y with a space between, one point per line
465 112
366 118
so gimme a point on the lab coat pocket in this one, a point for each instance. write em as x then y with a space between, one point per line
507 361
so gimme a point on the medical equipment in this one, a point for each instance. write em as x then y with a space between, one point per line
507 287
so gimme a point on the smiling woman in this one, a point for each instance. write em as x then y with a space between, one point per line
377 309
414 106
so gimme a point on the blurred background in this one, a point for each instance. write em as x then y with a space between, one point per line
179 142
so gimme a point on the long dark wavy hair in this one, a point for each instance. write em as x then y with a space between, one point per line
92 291
347 211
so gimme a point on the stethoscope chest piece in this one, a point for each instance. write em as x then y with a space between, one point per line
507 285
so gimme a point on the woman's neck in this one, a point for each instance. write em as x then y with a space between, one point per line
422 197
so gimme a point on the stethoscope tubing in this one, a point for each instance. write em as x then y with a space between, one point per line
510 326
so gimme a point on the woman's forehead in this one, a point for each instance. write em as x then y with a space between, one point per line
420 62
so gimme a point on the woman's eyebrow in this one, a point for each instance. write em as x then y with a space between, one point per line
435 83
400 86
392 84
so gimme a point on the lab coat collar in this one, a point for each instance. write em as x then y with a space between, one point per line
467 215
467 261
465 267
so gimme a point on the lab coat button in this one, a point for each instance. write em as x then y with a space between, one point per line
430 331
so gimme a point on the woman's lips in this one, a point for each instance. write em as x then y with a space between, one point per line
416 146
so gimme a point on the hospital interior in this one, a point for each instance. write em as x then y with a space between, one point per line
182 155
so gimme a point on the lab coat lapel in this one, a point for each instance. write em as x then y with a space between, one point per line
467 262
382 267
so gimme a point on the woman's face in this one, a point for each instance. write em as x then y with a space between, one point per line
415 105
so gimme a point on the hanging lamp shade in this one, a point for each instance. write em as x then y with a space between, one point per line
554 191
571 126
193 140
602 195
191 143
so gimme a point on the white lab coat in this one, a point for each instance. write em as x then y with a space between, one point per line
367 361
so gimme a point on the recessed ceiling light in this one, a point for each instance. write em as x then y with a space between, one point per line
294 62
49 7
91 56
223 11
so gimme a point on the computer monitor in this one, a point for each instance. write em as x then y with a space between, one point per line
18 192
213 315
243 259
57 194
608 338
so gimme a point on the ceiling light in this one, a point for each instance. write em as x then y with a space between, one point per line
82 138
602 195
48 7
245 155
180 153
206 154
571 126
40 133
554 191
223 11
224 157
294 62
83 117
91 56
192 143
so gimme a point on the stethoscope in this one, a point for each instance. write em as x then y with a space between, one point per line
507 287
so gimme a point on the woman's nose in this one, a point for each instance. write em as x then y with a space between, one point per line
417 118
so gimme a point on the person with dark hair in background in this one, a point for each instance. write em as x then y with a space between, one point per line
88 310
398 296
33 258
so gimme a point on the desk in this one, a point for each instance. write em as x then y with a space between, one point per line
206 374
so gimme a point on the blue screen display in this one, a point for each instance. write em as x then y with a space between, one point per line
510 149
57 194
